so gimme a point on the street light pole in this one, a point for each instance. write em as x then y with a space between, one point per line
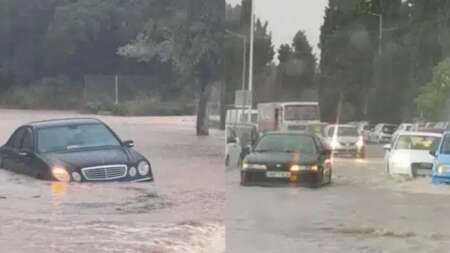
380 32
250 75
244 63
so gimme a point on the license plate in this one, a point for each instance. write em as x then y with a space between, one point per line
277 174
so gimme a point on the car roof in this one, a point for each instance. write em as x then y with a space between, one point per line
289 133
63 122
342 125
431 134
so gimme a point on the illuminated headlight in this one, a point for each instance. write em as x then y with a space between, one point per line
61 174
334 144
76 176
443 169
296 168
252 166
360 143
132 172
143 168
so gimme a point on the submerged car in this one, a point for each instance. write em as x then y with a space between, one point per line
345 140
79 150
410 154
441 161
288 158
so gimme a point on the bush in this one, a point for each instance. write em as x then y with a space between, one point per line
144 106
49 93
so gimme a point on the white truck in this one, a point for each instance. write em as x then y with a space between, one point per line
290 116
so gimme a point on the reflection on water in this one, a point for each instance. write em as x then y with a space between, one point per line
59 190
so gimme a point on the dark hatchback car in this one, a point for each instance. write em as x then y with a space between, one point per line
288 158
79 150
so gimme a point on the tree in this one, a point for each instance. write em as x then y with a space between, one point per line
191 37
296 68
433 103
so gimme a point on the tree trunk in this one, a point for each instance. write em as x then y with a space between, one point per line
202 111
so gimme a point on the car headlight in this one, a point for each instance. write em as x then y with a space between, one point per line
253 166
296 168
132 172
76 176
443 169
61 174
334 144
143 168
360 143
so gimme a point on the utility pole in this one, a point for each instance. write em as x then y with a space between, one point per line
380 32
250 75
244 63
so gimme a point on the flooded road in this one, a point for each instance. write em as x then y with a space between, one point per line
182 211
362 211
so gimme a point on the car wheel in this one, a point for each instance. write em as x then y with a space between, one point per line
243 180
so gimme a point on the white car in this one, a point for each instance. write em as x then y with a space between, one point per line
409 154
382 133
345 140
404 127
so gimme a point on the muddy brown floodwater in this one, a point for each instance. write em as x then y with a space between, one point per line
182 211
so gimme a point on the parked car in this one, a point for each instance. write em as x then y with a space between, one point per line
345 140
441 161
382 133
430 124
288 158
410 154
404 127
444 125
79 150
365 130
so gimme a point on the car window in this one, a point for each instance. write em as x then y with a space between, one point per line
16 140
445 149
302 144
27 143
74 137
413 142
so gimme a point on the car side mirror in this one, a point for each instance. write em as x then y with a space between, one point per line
247 149
128 143
433 152
387 147
232 140
326 152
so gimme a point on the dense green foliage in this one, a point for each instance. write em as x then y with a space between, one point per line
381 86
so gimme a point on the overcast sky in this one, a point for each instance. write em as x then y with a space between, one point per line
286 17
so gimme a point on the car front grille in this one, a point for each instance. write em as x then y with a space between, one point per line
347 144
106 172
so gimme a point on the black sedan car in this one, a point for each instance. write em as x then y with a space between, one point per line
288 158
78 150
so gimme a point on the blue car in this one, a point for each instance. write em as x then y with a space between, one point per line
441 163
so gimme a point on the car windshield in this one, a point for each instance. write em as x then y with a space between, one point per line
389 129
415 142
65 138
343 131
446 145
301 112
302 144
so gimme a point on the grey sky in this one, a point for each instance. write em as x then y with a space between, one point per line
286 17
